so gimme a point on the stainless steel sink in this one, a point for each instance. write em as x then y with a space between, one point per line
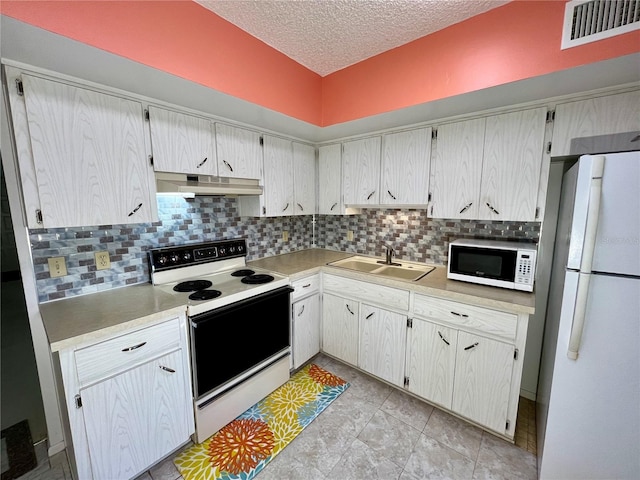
401 271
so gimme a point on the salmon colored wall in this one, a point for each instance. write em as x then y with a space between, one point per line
187 40
509 43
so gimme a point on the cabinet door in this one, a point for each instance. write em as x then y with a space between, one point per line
595 116
482 382
304 177
406 158
239 152
278 176
181 143
513 148
361 171
330 180
431 360
89 155
457 170
340 328
134 419
382 343
306 329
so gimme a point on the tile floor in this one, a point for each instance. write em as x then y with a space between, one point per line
374 431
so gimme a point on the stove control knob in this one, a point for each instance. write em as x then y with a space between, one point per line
162 260
223 251
232 249
186 256
174 258
240 248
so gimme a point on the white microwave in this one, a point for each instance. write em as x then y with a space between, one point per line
496 263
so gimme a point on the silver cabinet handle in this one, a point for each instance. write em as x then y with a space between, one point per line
369 316
442 338
227 164
492 209
349 309
134 210
202 163
167 369
333 206
300 207
471 346
371 195
301 310
391 194
431 210
135 347
285 207
460 315
466 207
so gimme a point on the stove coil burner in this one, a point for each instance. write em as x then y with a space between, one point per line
192 286
242 273
256 279
205 294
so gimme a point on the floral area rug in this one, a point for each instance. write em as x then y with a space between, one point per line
241 449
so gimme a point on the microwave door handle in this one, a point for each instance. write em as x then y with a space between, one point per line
591 230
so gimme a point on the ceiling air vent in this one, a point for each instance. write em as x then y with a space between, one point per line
588 21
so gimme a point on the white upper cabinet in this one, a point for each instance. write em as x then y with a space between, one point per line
457 170
595 116
330 180
239 152
361 171
304 178
182 143
513 149
406 157
278 177
89 159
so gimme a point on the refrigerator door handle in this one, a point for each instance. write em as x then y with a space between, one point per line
591 229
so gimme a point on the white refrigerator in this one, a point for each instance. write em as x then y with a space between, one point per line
588 416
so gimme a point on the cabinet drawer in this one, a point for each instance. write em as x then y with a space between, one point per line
369 292
120 353
305 286
481 319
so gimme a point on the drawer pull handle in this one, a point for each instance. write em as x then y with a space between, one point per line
227 165
300 207
202 162
370 315
306 286
463 315
349 310
371 195
333 206
167 369
301 310
471 346
442 338
128 349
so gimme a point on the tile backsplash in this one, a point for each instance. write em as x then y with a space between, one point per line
181 221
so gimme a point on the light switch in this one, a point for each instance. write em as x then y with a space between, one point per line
102 260
285 236
57 267
350 235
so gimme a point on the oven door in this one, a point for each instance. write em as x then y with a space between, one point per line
487 266
229 341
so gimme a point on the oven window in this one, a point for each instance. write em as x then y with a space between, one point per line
228 341
483 262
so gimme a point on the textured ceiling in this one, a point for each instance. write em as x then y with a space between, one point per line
329 35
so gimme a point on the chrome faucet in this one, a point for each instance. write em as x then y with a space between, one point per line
390 253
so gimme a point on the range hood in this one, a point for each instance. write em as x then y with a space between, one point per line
190 185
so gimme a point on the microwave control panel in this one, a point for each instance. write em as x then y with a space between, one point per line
525 267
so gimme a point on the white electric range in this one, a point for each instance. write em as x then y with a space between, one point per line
239 326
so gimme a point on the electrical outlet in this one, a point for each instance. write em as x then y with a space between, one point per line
57 267
102 260
350 235
285 236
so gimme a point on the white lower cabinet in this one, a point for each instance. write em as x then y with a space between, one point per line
340 327
123 419
482 383
382 341
431 360
306 329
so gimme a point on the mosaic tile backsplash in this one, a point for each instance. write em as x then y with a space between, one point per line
413 236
